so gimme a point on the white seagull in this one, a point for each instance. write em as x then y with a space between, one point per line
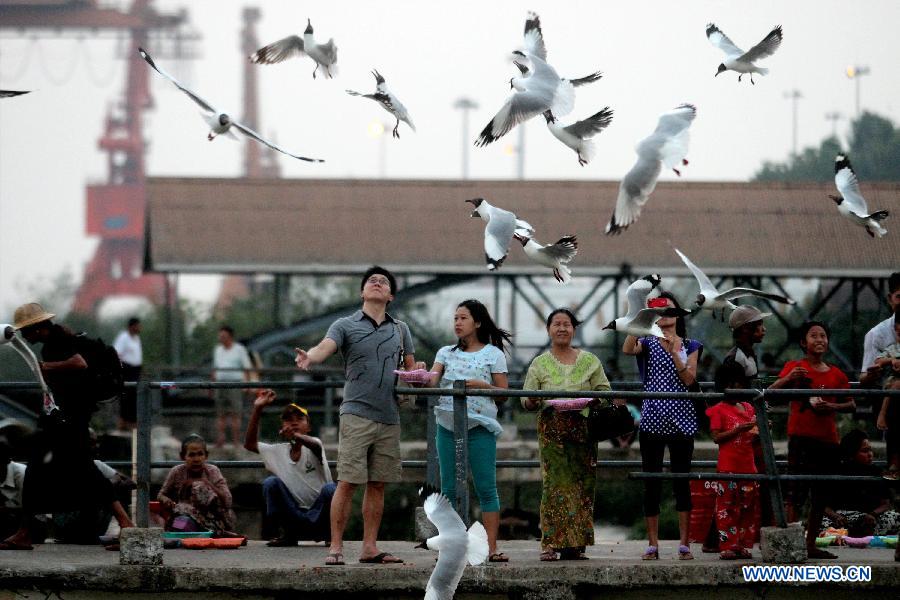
710 298
640 321
556 256
668 145
388 101
739 61
324 55
542 89
501 226
455 547
851 203
577 136
12 93
219 122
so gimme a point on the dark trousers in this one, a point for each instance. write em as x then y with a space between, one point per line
681 451
313 523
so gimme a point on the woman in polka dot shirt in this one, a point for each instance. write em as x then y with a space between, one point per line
666 364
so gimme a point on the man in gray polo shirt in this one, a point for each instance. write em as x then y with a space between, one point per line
372 344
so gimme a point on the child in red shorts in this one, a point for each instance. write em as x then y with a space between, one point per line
733 427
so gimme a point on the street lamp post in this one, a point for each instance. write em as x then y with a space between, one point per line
465 105
855 73
793 96
833 116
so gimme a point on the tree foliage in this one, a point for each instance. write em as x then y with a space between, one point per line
874 148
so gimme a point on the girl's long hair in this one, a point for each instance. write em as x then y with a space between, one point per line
487 331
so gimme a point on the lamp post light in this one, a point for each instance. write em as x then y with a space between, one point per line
465 105
793 96
855 72
834 116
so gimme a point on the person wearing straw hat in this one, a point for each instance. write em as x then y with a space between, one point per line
61 475
299 491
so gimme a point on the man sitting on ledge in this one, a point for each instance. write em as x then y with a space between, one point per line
298 494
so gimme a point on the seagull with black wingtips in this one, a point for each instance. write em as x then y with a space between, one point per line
324 55
388 101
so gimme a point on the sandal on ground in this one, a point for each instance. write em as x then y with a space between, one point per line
384 558
572 554
745 553
709 550
498 557
651 553
892 474
281 542
549 556
819 553
684 553
334 559
729 555
10 545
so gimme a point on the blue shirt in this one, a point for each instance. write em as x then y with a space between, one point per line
669 416
461 365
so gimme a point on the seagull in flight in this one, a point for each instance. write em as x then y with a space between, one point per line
388 101
577 136
668 146
556 256
739 61
11 93
640 321
501 226
851 203
324 55
454 544
538 89
219 122
710 298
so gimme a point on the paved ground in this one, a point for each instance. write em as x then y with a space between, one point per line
257 569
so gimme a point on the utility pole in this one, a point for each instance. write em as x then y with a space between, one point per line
793 96
465 105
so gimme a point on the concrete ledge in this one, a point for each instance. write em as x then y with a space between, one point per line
257 569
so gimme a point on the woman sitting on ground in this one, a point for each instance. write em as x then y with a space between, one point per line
197 491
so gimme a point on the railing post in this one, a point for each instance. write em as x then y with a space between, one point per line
142 509
432 470
461 441
765 440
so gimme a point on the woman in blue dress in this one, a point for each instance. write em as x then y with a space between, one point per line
478 359
667 364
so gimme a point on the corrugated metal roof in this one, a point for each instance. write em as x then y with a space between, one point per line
423 226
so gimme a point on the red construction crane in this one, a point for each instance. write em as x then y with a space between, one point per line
115 209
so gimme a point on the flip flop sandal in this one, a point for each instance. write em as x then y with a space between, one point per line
384 558
498 557
334 559
549 556
651 553
729 555
684 553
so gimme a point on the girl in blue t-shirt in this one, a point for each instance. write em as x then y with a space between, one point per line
477 358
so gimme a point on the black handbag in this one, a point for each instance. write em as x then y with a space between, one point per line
607 422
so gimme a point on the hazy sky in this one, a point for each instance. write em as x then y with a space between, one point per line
654 55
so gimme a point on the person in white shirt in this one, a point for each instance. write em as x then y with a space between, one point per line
231 362
880 337
298 494
128 346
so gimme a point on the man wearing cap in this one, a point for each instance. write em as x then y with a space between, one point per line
298 494
747 329
61 475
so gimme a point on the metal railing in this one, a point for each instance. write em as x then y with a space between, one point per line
458 392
